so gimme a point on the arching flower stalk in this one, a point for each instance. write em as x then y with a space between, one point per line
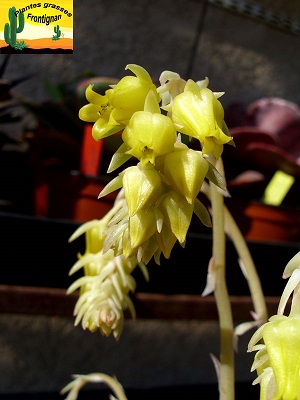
160 195
277 343
81 380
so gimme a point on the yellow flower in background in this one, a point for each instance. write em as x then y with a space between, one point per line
198 113
277 361
107 281
112 112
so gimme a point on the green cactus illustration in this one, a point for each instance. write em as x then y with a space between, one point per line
11 30
57 33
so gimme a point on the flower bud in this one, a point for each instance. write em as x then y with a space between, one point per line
142 226
198 113
165 240
142 187
186 169
178 214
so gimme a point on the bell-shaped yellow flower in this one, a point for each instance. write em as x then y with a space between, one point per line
107 280
142 187
278 358
178 214
112 111
185 169
142 226
149 135
198 113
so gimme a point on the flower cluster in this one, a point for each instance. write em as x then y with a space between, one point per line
106 283
161 190
277 360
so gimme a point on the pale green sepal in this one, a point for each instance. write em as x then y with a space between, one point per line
159 219
109 130
193 87
225 130
215 177
81 263
179 214
141 227
83 229
166 241
218 94
256 337
211 279
113 185
293 264
92 96
260 359
144 270
201 211
151 103
139 71
203 83
119 158
292 283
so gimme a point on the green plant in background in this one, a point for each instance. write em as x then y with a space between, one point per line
57 33
155 205
21 45
11 29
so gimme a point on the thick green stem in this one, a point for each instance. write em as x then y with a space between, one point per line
226 373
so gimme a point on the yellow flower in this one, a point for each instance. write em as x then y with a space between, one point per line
177 214
185 169
278 358
142 187
160 202
112 111
107 281
149 135
198 113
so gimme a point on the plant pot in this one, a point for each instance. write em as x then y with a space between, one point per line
71 195
259 221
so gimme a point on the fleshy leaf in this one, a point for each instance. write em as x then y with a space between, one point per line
178 213
201 211
293 264
119 158
113 185
142 226
215 177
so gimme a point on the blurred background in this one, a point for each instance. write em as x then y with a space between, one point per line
248 49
